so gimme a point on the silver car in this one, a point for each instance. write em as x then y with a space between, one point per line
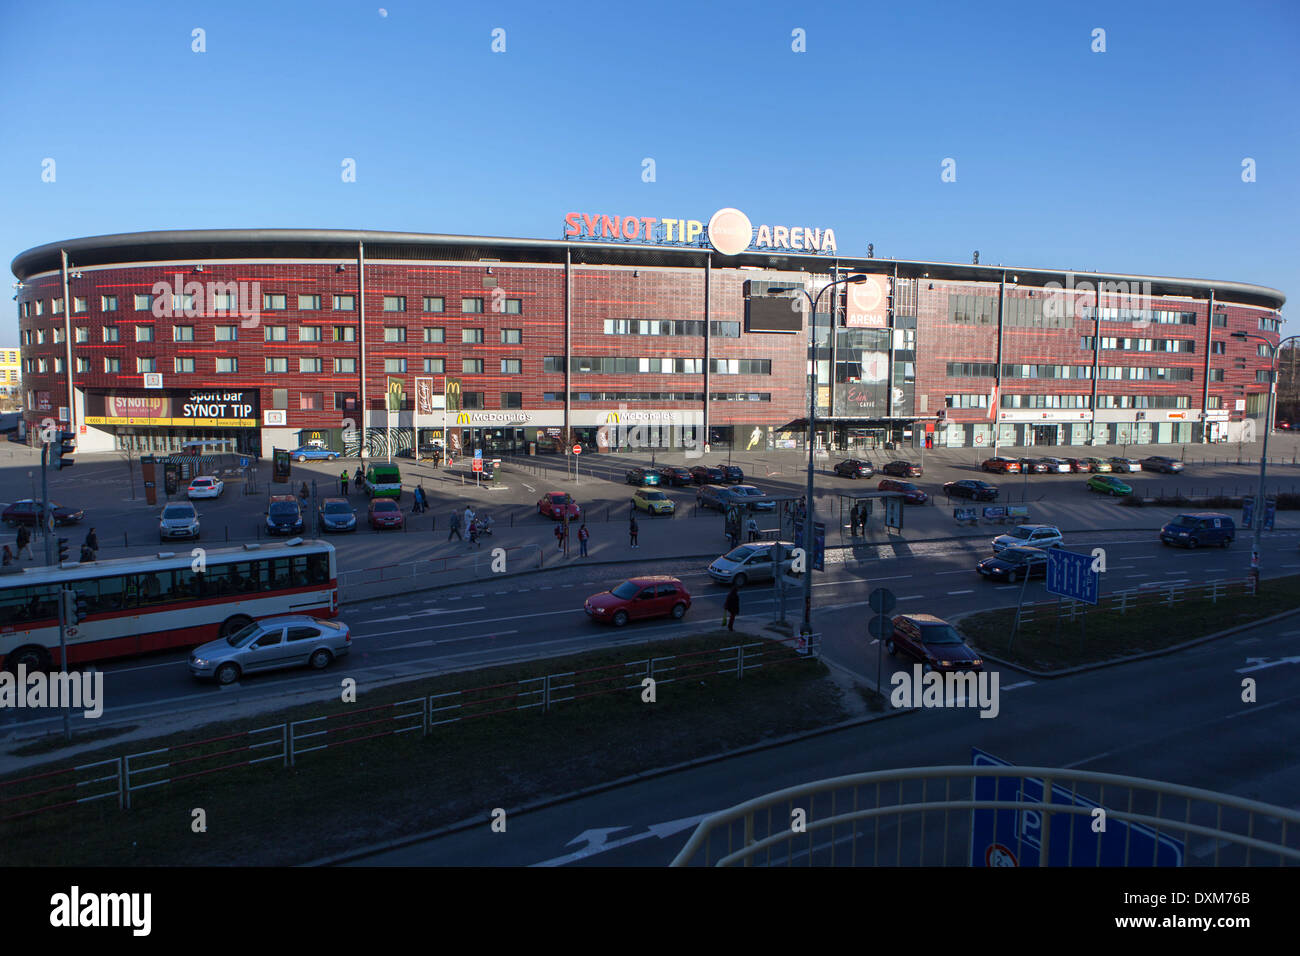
274 643
749 562
1029 536
178 520
1125 464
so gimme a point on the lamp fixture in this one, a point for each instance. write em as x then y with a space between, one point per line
489 271
198 268
636 273
339 268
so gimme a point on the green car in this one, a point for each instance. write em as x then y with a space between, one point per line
1109 485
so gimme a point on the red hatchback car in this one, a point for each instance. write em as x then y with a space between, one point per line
1008 466
385 513
554 503
911 494
933 643
655 595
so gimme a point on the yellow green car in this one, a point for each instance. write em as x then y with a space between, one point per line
653 501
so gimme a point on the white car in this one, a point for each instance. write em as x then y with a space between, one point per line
205 488
1125 464
1029 536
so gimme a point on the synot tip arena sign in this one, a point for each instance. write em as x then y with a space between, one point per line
728 231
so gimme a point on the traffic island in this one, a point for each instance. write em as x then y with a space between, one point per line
407 758
1057 637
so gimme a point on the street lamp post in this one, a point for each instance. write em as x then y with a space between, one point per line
806 628
1258 516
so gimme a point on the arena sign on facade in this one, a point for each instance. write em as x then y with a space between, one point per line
729 232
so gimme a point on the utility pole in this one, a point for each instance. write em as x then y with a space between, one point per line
46 518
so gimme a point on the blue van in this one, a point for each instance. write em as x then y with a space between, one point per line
1193 530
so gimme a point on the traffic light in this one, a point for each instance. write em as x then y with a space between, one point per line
63 550
64 444
75 607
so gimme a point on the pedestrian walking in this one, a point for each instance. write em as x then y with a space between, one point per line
632 530
559 536
455 526
343 482
753 529
583 535
473 534
854 522
25 542
469 516
731 607
92 540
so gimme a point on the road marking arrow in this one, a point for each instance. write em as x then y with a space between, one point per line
427 612
596 839
1261 663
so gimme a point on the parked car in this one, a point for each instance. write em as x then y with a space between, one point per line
555 504
205 487
1015 564
337 514
733 474
901 468
708 475
29 511
385 513
1162 463
383 481
293 640
933 642
1009 466
313 452
1194 530
910 492
674 475
642 476
751 498
653 501
656 595
1109 485
1053 466
750 562
1029 535
178 520
972 489
283 516
1033 466
854 468
1093 466
1125 464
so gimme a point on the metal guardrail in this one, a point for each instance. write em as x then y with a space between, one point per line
1154 592
57 789
932 816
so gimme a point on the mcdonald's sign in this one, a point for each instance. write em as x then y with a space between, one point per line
611 418
451 392
396 393
462 418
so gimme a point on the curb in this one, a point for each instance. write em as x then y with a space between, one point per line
1145 655
547 802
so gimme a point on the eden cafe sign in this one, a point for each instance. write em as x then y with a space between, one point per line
729 232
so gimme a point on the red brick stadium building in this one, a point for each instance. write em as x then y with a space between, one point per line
275 337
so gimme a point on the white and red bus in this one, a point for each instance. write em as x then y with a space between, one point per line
152 603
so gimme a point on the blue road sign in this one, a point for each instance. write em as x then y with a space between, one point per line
478 452
1270 512
243 463
819 545
1247 511
1015 837
1070 575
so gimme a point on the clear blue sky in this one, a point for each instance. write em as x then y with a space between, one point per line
1127 161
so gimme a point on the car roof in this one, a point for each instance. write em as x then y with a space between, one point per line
1202 514
654 579
280 498
922 618
327 501
1036 527
1025 547
286 619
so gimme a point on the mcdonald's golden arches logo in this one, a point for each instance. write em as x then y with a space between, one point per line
452 392
611 418
462 418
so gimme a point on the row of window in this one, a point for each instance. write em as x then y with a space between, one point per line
726 330
1112 343
1085 401
274 333
1157 316
224 302
619 364
988 370
658 396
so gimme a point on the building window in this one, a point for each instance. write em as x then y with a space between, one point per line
280 398
471 336
58 336
435 336
394 366
554 363
143 303
1215 401
394 303
83 365
345 366
144 333
276 333
308 303
80 304
345 303
42 365
394 334
311 401
112 364
226 333
309 365
145 364
511 306
345 333
108 303
433 303
1261 375
512 399
345 401
471 305
471 400
277 365
511 366
227 365
1217 348
1216 375
273 301
435 366
110 334
222 303
1220 320
309 333
56 307
182 364
512 336
182 333
58 365
966 401
471 366
40 336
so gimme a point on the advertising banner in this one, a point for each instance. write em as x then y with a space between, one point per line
867 303
236 408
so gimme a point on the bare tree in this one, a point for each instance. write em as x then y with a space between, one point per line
130 456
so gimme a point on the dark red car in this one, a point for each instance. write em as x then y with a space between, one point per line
911 494
1009 466
385 513
933 642
28 511
555 503
654 595
901 469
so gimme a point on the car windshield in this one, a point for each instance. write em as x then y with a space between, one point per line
338 508
284 509
178 511
904 486
386 505
654 496
244 634
1020 533
1015 556
1184 521
939 634
627 590
738 554
746 490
